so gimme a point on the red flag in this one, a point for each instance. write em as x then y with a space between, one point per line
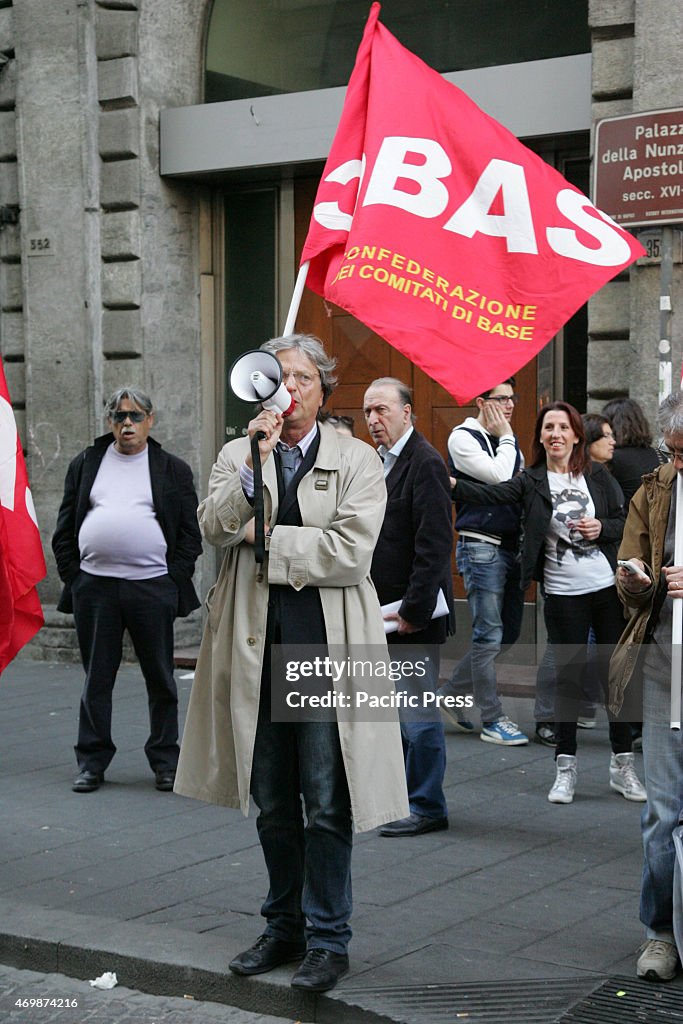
22 563
444 234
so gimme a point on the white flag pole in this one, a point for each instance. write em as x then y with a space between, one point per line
665 313
296 299
677 626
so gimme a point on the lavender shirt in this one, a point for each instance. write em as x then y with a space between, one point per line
120 535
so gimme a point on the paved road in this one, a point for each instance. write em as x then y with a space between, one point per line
27 997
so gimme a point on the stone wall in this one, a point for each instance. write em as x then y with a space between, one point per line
636 48
116 302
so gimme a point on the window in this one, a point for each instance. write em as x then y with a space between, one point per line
281 46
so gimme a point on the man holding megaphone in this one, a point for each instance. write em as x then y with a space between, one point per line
323 504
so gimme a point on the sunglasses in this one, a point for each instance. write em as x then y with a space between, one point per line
121 415
345 421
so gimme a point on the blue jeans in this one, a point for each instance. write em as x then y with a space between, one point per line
492 580
309 865
424 742
663 766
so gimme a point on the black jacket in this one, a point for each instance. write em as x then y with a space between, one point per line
175 504
629 465
412 558
531 489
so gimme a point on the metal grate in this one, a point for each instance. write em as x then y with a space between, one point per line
501 1002
628 1001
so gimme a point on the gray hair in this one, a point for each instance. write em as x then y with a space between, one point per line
311 347
140 398
405 394
670 414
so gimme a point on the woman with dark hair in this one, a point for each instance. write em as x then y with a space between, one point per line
634 455
600 439
600 447
573 522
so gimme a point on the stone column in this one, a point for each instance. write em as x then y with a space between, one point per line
55 284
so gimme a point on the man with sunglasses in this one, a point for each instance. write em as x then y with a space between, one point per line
126 543
485 449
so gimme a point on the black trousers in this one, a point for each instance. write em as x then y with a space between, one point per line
103 608
568 620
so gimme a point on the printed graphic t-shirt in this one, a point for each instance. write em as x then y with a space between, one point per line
573 565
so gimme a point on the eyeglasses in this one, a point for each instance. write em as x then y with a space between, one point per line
304 380
502 399
121 415
670 453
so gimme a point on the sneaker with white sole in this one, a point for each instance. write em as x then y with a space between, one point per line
563 788
503 731
623 778
451 721
658 961
586 722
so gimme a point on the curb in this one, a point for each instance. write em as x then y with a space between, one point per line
160 961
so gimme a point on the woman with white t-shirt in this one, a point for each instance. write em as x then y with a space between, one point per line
573 522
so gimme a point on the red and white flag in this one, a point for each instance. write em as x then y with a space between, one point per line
22 563
443 233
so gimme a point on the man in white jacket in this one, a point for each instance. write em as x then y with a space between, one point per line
312 589
485 449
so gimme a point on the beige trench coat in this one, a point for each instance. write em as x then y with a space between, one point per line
342 502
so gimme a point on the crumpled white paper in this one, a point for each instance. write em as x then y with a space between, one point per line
106 980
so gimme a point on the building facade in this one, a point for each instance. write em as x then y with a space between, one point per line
158 162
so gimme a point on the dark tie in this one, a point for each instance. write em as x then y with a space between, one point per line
288 461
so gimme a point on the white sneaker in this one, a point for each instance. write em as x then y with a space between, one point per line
658 961
623 778
564 786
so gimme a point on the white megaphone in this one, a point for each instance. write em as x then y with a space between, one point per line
256 376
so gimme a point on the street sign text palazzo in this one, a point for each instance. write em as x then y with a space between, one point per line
638 168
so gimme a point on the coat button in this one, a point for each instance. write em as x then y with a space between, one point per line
251 640
233 524
259 577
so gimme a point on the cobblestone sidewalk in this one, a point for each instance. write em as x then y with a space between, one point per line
30 998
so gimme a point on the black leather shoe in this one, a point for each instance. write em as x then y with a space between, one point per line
266 953
87 782
164 779
414 825
321 970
